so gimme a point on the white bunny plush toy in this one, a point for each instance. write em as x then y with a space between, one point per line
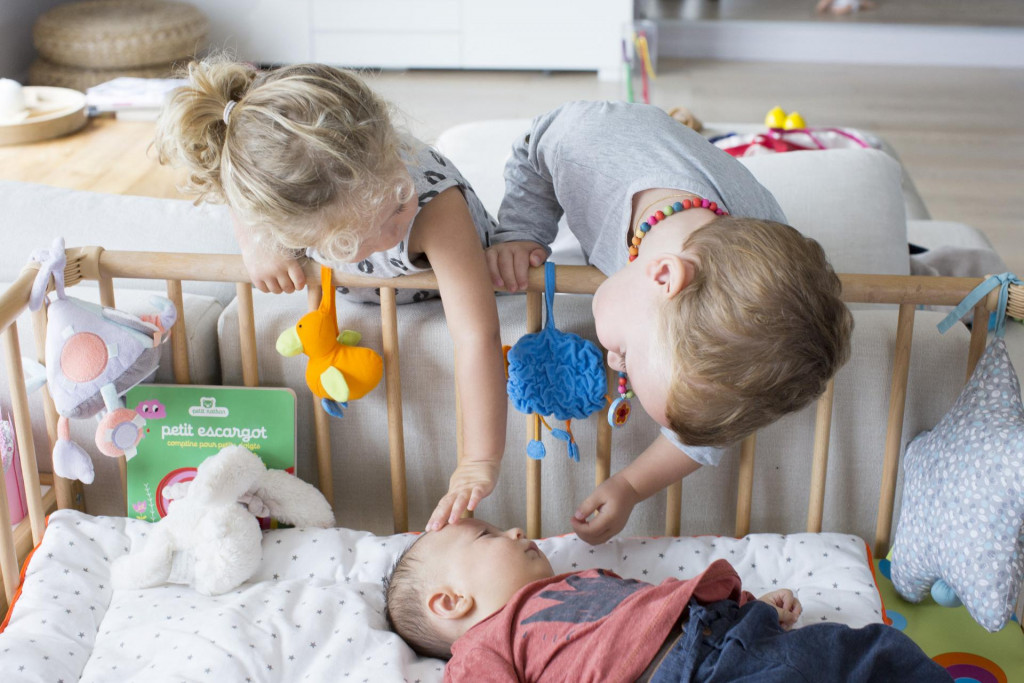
210 538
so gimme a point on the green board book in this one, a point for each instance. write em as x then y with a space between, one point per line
186 424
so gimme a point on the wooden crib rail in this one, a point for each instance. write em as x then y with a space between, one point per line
94 263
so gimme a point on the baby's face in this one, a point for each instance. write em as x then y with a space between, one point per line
480 560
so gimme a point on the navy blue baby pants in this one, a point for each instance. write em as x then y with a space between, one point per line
725 642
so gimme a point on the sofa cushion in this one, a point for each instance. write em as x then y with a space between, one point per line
847 199
35 214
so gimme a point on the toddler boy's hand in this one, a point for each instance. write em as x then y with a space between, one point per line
510 262
786 604
613 501
471 482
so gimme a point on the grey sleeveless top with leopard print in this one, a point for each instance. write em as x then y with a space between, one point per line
432 173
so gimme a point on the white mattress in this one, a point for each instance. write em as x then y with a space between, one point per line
314 610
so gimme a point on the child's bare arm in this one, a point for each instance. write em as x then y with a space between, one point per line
787 605
445 234
613 501
269 270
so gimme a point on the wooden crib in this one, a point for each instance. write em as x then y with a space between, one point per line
96 264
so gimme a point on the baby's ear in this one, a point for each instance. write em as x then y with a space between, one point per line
446 603
670 272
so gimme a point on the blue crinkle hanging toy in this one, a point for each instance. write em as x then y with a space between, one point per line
555 373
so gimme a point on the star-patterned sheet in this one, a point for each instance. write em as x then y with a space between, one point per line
314 610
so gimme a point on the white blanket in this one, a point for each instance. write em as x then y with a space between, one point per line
314 610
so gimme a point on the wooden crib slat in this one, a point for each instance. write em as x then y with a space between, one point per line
247 335
23 428
603 455
533 467
979 336
106 287
673 508
819 463
321 422
894 427
179 338
63 489
105 283
393 386
745 485
39 319
533 486
8 554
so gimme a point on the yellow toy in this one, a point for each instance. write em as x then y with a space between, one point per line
338 371
777 118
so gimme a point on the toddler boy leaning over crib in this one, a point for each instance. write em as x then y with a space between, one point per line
722 317
488 601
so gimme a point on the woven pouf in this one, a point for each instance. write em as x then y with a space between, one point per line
114 34
42 72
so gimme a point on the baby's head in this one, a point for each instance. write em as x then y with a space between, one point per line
306 157
730 327
450 579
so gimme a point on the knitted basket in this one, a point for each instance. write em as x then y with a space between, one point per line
42 72
111 34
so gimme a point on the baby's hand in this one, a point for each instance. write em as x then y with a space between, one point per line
472 481
510 262
786 604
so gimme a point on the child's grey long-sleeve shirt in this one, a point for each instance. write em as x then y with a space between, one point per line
588 159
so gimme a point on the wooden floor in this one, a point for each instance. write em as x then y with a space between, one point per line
958 131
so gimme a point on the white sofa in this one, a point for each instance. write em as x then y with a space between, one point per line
823 193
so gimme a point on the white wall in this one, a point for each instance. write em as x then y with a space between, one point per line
16 20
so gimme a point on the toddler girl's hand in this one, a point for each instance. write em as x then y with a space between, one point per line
269 270
786 604
613 501
510 262
472 481
273 272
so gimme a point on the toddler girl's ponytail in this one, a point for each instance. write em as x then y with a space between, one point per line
192 128
306 157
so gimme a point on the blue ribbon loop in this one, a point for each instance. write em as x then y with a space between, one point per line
1003 281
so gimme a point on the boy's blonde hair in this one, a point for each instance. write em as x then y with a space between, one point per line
301 139
404 607
757 333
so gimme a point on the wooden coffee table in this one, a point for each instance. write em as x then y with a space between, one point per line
106 155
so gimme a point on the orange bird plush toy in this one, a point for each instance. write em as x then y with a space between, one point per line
338 371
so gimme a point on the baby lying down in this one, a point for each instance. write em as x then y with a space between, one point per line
488 601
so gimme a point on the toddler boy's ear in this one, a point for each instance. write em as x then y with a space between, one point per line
670 272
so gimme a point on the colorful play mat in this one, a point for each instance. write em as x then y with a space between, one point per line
953 639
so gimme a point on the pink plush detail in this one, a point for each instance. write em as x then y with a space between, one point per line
125 433
83 357
63 429
154 320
